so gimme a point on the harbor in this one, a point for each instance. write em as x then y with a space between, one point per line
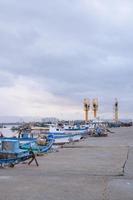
92 169
66 117
89 159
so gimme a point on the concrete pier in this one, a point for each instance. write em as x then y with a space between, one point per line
93 169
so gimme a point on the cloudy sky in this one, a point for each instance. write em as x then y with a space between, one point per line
55 53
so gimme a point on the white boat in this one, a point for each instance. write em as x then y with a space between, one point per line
75 130
66 138
53 129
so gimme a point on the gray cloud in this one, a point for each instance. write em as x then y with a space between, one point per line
75 49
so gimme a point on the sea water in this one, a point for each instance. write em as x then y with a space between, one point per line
7 132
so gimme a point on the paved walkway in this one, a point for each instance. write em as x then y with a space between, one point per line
93 169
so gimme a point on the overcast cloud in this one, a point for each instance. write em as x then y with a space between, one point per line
53 54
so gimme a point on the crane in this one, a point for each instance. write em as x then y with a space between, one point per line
95 107
86 108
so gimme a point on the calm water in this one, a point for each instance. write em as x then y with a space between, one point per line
7 132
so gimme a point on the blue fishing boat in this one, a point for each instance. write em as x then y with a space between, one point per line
11 154
53 138
39 145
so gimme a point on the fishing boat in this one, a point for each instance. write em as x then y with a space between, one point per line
60 139
53 129
99 132
11 154
40 145
75 130
54 137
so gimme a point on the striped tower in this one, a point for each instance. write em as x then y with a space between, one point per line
116 111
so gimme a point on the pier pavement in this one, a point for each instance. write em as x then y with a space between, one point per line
92 169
